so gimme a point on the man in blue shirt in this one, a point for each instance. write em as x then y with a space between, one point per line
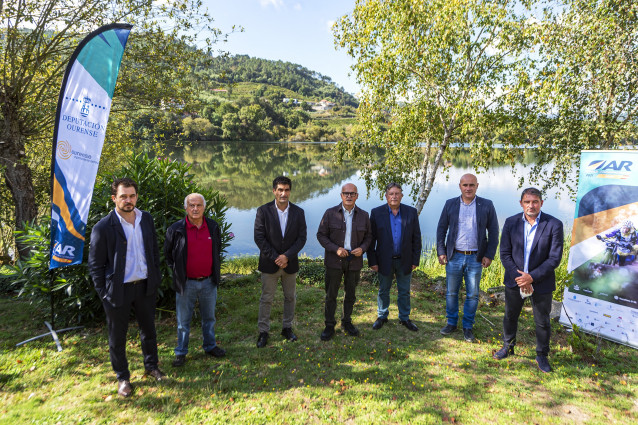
395 251
531 250
471 226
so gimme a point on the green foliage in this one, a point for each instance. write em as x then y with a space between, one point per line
432 74
311 272
240 265
242 69
38 38
162 184
580 92
581 343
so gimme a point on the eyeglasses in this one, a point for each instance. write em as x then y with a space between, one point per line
349 194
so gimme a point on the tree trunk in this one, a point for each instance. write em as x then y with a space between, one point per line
428 172
18 178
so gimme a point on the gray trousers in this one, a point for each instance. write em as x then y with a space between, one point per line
268 287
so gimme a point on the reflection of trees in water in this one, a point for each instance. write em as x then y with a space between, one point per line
463 158
244 171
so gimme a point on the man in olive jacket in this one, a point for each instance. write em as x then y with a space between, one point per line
345 233
193 252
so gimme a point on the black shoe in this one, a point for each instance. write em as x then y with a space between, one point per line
448 329
503 353
124 388
350 328
543 363
408 324
179 361
327 333
468 334
378 324
156 373
262 340
288 334
216 352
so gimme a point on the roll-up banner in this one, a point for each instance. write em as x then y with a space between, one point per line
603 298
83 112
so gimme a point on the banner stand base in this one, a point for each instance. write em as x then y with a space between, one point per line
53 333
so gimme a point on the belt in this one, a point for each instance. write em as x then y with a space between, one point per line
465 252
396 257
199 279
135 282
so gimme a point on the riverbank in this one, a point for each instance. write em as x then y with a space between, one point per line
312 270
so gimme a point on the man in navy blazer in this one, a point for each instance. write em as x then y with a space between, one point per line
280 233
531 250
471 226
124 264
395 250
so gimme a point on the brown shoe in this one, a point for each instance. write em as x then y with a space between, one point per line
124 388
156 373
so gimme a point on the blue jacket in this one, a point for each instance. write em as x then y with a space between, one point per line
486 224
544 258
381 247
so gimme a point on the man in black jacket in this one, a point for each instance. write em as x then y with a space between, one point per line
193 252
124 265
345 233
280 233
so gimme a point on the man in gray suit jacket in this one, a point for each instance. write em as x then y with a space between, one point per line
280 233
471 226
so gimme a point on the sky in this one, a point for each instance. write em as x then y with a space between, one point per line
297 31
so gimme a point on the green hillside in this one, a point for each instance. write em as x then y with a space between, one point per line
243 98
297 81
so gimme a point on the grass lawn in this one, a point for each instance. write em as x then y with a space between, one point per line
387 376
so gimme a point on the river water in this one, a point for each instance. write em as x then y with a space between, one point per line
243 172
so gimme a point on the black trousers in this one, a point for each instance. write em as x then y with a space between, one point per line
117 319
541 307
333 282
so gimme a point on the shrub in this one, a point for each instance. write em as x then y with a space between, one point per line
162 184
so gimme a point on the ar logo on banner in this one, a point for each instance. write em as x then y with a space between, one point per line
600 165
64 250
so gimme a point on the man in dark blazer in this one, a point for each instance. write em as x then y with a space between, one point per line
124 265
345 233
466 241
531 250
395 250
280 233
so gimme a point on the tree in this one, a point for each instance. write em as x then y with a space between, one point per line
432 74
38 38
582 92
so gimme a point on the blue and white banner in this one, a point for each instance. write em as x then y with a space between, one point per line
83 112
603 298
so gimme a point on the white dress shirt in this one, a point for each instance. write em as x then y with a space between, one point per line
283 218
135 268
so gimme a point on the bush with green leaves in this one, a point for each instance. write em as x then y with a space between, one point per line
162 185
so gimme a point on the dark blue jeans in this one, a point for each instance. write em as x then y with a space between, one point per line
206 293
403 292
462 268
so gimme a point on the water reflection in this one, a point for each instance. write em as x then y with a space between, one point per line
244 171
